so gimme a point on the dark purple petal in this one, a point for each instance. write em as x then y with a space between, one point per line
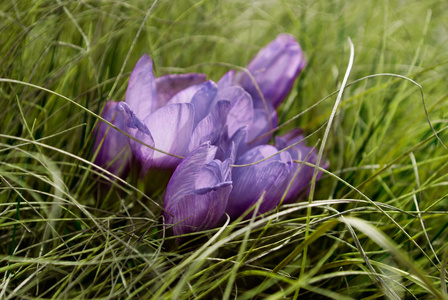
170 85
210 128
291 137
250 182
301 174
226 145
114 154
196 196
141 95
136 128
275 69
171 127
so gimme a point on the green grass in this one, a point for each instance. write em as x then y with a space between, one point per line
375 227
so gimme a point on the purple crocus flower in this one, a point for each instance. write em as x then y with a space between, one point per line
197 193
250 182
114 153
174 114
301 174
275 68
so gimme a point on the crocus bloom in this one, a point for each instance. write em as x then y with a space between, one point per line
301 174
197 193
172 114
275 68
114 153
250 182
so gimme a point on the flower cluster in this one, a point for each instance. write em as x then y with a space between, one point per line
211 138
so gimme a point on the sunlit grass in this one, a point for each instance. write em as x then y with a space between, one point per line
376 226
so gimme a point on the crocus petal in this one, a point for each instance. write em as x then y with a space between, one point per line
114 153
301 174
184 178
226 80
262 152
262 124
136 128
227 145
203 100
170 85
275 69
211 126
196 196
250 182
293 136
186 95
141 93
198 212
241 112
201 96
171 127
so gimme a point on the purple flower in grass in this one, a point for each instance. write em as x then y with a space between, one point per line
274 68
113 149
174 114
197 193
250 182
301 174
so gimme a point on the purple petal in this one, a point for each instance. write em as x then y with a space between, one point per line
141 93
197 193
211 126
198 212
136 128
262 124
275 69
202 97
171 127
184 178
241 113
114 154
227 145
293 136
301 175
203 100
213 176
170 85
186 95
250 182
226 80
262 152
